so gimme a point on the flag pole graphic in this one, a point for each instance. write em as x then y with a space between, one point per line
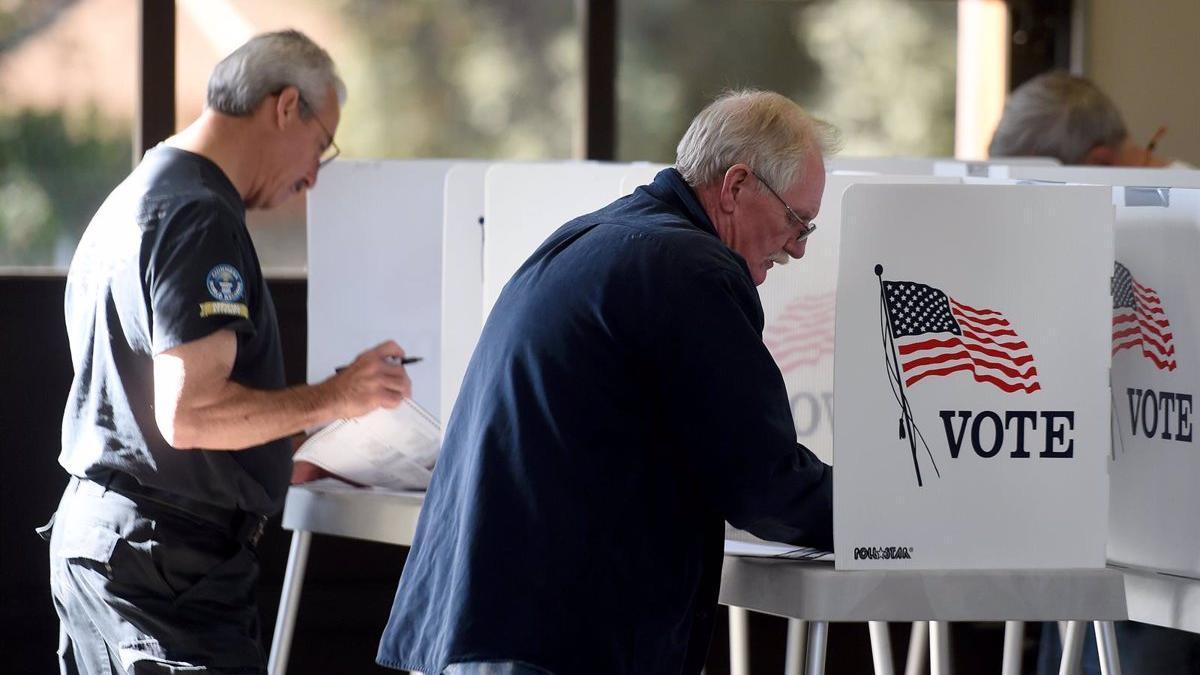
906 422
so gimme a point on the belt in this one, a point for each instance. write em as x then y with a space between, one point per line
244 526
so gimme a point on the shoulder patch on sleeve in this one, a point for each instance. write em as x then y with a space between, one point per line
225 283
224 308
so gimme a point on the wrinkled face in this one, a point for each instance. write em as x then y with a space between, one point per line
304 139
764 233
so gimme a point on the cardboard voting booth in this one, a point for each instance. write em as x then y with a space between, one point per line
462 276
988 168
525 203
639 174
1099 175
973 334
1155 502
374 265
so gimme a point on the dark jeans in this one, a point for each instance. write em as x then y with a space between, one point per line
144 588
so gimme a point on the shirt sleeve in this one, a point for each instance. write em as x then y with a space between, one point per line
727 404
198 276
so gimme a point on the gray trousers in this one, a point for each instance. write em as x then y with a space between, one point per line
145 588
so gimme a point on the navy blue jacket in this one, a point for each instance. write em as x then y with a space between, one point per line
619 406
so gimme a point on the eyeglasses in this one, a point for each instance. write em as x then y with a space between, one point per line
806 227
332 150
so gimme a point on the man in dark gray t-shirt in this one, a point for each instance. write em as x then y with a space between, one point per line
175 429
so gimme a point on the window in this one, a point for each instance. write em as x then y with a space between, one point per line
882 71
455 78
66 110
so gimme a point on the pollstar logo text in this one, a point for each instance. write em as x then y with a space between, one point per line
883 553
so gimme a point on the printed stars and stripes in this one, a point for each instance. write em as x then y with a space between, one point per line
802 334
936 335
1140 321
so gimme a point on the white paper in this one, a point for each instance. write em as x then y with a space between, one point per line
394 449
772 550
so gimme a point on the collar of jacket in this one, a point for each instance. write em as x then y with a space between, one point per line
670 187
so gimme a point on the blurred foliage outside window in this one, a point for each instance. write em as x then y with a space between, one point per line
882 71
493 79
64 141
497 79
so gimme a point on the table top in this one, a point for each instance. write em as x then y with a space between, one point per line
1162 599
816 591
332 507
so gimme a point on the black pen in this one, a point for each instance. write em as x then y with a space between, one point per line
406 361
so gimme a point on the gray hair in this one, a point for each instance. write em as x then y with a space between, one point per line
1057 115
265 65
765 130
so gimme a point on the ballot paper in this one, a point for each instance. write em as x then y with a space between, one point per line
394 449
766 549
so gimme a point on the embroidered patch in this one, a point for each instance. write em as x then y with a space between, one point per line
226 308
225 283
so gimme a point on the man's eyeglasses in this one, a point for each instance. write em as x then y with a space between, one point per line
806 227
332 150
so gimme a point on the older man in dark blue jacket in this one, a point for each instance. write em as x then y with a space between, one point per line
619 407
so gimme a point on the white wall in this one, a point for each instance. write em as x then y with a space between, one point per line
1145 55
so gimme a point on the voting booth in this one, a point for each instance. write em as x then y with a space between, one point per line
1153 472
462 276
525 203
971 377
374 264
1098 175
1155 502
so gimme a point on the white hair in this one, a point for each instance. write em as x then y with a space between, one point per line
268 63
767 131
1057 115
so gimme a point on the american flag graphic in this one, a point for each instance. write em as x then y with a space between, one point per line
936 335
802 334
1140 321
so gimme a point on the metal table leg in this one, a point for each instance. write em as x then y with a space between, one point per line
939 647
289 603
881 647
818 636
739 641
1106 646
1072 648
918 648
1014 636
797 642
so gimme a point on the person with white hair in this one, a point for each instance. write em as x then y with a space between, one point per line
1068 118
175 433
619 407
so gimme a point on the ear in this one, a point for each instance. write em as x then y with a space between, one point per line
732 185
287 106
1101 155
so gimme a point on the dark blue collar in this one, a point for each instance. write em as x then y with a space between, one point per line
670 187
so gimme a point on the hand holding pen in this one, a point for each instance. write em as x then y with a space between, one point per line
375 379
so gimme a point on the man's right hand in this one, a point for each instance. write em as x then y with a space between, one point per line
374 380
